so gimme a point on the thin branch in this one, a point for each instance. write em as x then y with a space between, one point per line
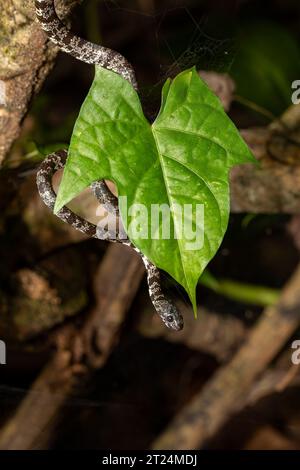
221 396
116 284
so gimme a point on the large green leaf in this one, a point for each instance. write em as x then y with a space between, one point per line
183 158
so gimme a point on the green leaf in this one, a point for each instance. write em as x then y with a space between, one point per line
183 158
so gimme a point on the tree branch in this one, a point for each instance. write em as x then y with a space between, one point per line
26 58
79 351
221 396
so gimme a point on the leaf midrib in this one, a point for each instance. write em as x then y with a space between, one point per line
171 204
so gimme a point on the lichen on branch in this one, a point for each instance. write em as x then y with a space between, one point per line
26 57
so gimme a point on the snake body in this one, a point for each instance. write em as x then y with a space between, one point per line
107 58
79 48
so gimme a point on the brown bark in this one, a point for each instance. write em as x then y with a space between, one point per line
223 394
26 57
116 284
43 297
273 185
37 413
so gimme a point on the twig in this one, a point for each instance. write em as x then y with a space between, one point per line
123 271
220 397
272 186
40 407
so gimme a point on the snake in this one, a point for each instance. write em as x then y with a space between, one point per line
91 53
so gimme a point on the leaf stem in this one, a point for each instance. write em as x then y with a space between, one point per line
240 292
255 107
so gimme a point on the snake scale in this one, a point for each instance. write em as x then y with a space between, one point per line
109 59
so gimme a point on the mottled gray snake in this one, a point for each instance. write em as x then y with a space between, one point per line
109 59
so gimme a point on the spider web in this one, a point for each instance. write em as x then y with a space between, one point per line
202 50
198 48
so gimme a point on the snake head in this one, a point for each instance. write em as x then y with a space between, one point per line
171 316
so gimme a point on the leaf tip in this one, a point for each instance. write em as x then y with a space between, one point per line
192 296
58 205
254 160
250 158
62 198
195 312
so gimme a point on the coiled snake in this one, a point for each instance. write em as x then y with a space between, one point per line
109 59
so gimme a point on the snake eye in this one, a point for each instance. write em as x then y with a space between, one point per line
170 318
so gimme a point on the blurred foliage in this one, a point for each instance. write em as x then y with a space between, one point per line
240 292
267 62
